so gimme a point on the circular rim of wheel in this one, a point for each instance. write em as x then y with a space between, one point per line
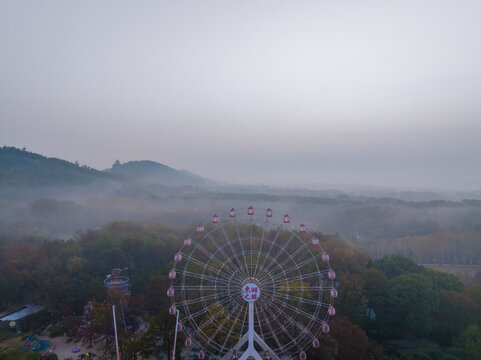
289 266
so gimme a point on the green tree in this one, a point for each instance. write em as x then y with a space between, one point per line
396 265
351 298
471 339
456 311
410 301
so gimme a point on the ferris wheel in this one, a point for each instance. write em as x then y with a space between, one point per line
248 288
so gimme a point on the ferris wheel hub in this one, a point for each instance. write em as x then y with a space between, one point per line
250 292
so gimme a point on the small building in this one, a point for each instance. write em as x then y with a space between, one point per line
19 318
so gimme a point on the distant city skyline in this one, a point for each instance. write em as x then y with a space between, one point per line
282 93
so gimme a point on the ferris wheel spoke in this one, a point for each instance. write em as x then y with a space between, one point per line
269 325
242 249
282 249
195 275
302 289
199 300
297 310
302 300
314 274
295 253
300 326
285 330
237 305
201 287
240 266
300 265
260 249
205 266
204 310
211 256
234 323
199 327
270 249
221 250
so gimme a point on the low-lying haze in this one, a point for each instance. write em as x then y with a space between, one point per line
305 93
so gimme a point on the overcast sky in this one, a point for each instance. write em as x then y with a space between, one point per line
277 92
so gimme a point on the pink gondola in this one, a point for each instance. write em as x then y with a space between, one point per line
331 274
201 355
187 241
269 213
170 292
172 310
325 257
250 211
200 229
325 328
178 257
232 213
179 326
302 228
331 311
215 219
315 343
188 342
302 355
334 293
315 241
287 219
172 274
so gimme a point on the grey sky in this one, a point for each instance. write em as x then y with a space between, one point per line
354 92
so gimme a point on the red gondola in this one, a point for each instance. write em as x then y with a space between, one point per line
287 219
269 213
315 343
187 241
315 241
178 257
325 257
232 213
172 310
170 292
331 311
188 342
215 219
250 211
302 355
200 229
172 274
201 355
302 228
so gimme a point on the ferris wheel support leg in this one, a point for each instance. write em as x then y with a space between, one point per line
251 350
265 347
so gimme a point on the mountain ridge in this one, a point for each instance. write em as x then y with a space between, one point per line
19 167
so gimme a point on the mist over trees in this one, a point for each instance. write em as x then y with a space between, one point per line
63 227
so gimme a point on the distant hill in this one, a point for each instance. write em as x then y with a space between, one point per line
152 172
19 167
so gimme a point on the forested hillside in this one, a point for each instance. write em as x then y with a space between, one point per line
19 167
390 308
153 172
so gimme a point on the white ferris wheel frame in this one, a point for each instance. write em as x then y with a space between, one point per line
236 266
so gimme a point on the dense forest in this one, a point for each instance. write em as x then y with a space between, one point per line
388 308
